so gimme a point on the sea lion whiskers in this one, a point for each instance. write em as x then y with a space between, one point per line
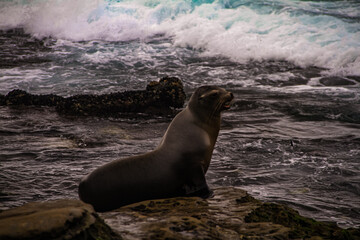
216 109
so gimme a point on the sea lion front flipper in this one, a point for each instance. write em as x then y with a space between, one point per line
196 184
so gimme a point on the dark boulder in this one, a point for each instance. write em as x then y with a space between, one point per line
353 77
336 81
20 97
160 98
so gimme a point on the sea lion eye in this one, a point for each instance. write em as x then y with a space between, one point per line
211 94
214 94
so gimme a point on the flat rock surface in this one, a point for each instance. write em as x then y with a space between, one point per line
336 81
230 214
60 219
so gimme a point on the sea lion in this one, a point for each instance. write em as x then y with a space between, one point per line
176 167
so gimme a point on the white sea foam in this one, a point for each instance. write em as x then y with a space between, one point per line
274 36
301 32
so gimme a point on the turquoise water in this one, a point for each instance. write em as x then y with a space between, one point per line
320 33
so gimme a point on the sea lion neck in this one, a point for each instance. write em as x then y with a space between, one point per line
204 115
206 120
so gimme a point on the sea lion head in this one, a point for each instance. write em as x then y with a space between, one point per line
210 100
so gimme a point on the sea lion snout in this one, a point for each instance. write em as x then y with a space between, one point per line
228 99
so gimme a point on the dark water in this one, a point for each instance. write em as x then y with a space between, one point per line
292 135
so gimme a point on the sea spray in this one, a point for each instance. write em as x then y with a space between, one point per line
323 34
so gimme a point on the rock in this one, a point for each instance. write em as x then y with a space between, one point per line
20 97
159 98
168 90
292 81
309 72
336 81
60 219
230 214
300 227
353 77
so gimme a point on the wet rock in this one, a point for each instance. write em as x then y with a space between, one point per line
159 98
168 90
356 78
292 81
300 227
60 219
336 81
309 72
20 97
230 214
17 97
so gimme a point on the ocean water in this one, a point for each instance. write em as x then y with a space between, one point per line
292 135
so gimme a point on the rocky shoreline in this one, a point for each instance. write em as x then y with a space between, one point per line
159 98
230 214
